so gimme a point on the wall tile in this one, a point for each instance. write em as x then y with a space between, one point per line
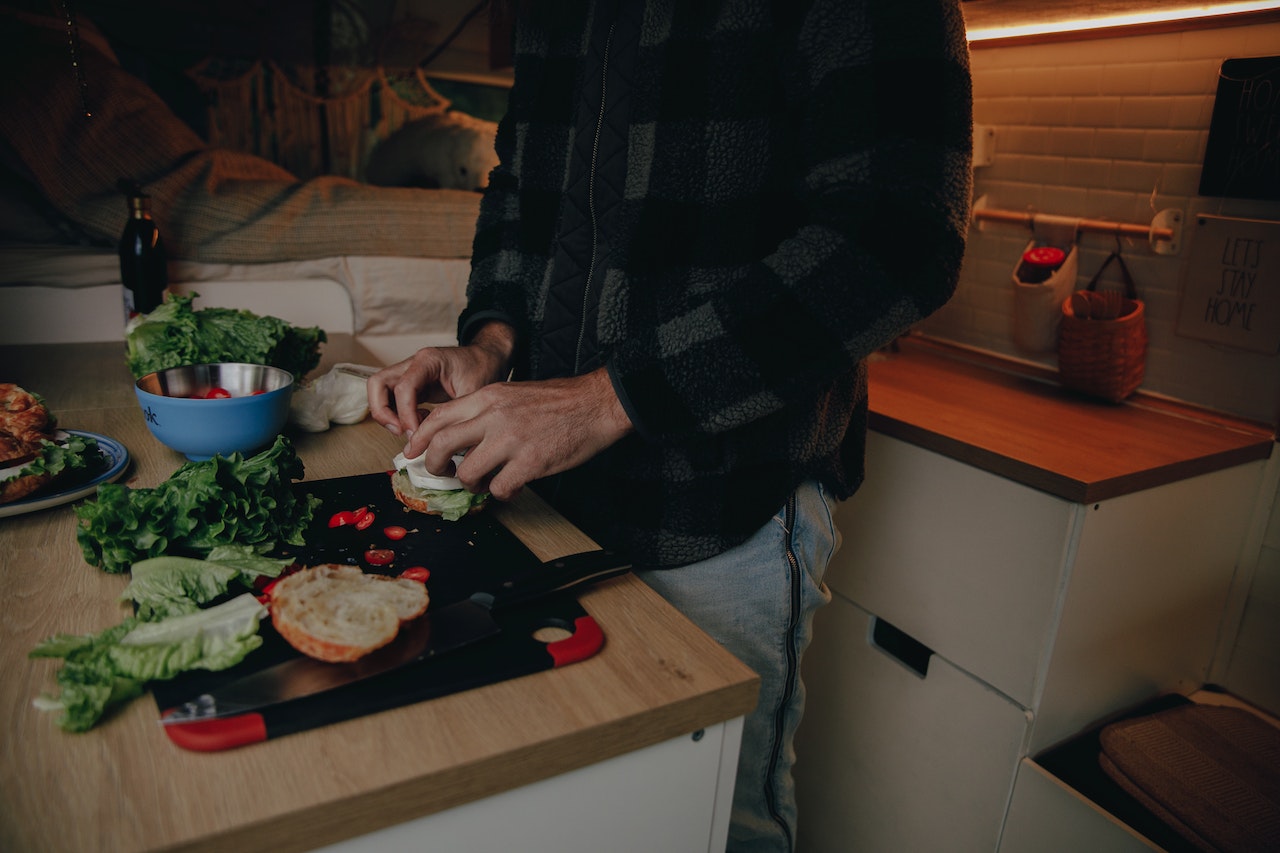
1119 143
1099 112
1172 146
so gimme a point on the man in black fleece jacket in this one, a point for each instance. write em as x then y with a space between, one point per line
705 217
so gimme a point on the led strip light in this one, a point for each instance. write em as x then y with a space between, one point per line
1182 13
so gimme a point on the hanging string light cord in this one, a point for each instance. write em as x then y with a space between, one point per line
77 64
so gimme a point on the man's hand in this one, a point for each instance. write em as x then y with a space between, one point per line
437 374
516 432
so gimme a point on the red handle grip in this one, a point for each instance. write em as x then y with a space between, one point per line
214 735
586 641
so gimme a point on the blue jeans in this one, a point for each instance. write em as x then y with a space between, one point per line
758 601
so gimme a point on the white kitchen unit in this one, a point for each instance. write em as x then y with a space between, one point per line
979 618
673 797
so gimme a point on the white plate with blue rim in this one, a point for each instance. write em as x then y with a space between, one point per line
117 461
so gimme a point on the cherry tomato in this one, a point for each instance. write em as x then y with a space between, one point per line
216 393
394 532
379 556
364 522
341 519
416 573
360 513
259 391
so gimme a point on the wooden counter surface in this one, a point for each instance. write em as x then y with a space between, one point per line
1028 428
123 786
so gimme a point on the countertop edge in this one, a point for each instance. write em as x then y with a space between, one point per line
1248 441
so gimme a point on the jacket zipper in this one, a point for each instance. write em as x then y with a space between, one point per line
591 200
793 623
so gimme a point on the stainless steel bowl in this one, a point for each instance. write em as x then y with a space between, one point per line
195 380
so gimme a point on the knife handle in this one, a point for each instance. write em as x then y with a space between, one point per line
215 735
558 575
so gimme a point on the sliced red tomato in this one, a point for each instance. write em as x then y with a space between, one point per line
416 573
360 512
341 519
259 391
216 393
379 556
364 522
395 531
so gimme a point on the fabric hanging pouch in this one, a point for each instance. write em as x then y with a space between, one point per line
1102 339
1044 276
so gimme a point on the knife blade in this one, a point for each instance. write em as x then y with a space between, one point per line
435 633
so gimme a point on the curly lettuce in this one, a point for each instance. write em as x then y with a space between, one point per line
225 500
175 334
73 459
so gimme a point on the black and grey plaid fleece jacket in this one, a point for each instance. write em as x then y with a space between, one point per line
729 205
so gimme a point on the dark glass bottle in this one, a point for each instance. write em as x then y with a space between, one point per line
143 265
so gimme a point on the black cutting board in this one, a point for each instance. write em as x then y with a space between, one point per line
473 554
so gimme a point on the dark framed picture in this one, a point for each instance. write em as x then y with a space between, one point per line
1242 159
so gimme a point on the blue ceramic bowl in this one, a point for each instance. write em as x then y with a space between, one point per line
182 414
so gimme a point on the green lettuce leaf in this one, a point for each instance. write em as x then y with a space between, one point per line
175 334
172 586
217 502
101 671
453 505
77 458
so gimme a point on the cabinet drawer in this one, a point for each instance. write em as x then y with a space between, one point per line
1048 816
967 562
892 759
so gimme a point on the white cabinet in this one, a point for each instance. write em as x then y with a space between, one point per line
946 739
1039 616
673 797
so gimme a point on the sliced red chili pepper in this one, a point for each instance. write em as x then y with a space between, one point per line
416 573
340 519
395 531
379 556
216 393
365 521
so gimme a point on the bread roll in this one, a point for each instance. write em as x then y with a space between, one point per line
338 613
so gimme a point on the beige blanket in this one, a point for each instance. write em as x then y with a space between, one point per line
60 171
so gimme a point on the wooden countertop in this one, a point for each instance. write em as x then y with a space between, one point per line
123 786
1026 427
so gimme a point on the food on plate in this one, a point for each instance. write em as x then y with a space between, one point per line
338 613
224 500
420 490
175 334
34 454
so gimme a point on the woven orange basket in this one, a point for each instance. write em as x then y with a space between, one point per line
1103 352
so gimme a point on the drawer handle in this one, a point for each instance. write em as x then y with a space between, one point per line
901 646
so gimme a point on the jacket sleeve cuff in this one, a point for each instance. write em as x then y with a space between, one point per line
627 405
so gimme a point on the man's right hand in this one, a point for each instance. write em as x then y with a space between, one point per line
438 374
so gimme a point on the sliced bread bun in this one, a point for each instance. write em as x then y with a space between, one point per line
338 613
419 500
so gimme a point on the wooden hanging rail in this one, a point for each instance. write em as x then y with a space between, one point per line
1163 233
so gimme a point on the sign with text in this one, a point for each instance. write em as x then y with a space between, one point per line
1231 284
1242 159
